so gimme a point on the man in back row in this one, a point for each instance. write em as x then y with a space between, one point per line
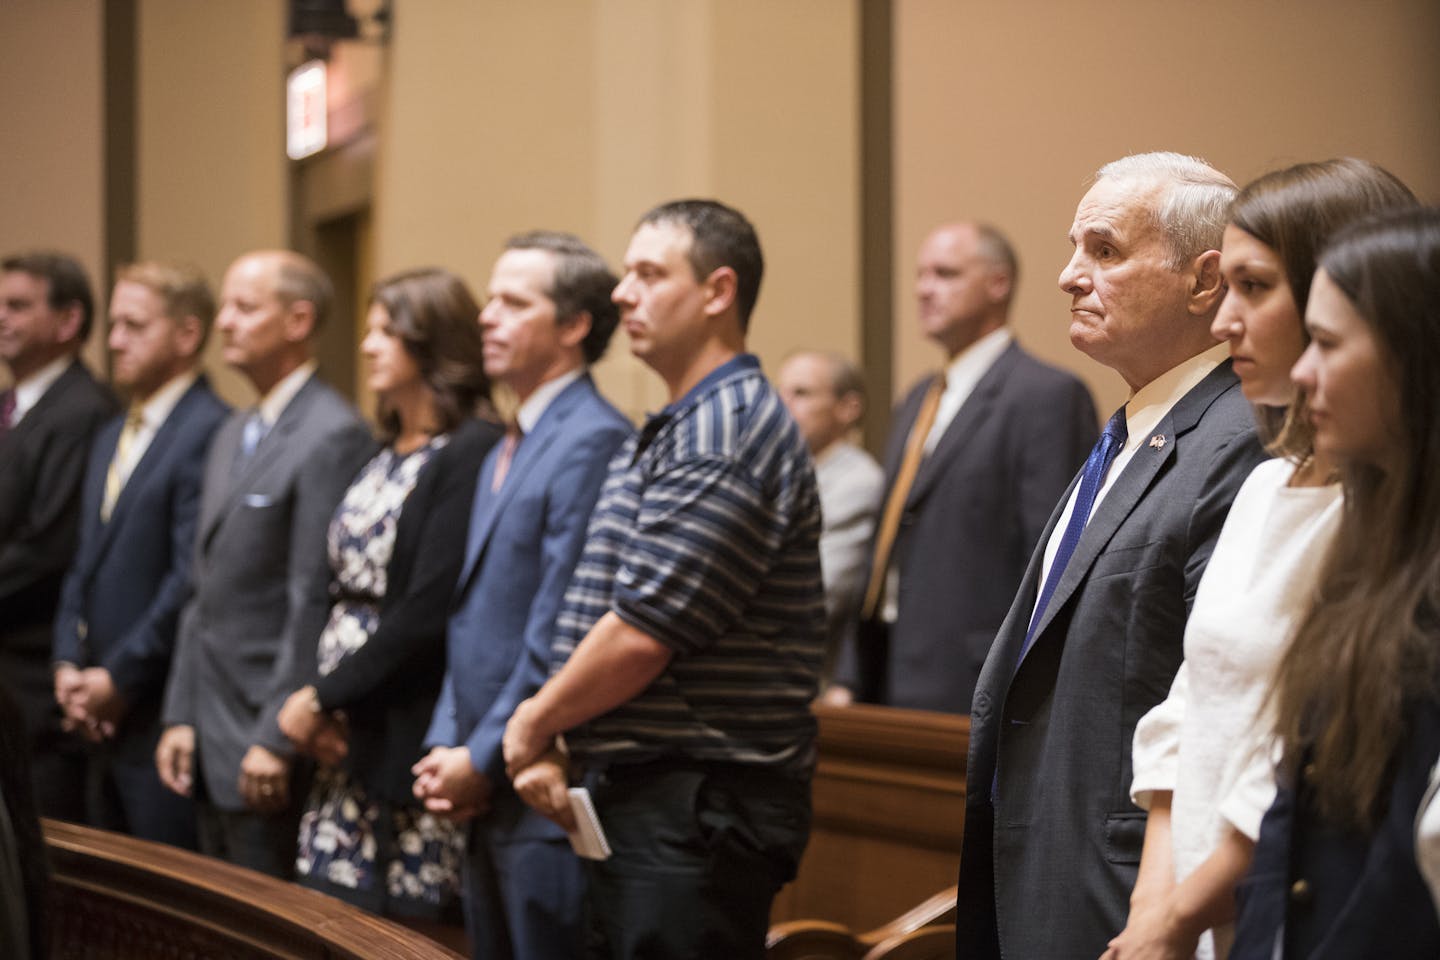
690 638
975 459
1095 634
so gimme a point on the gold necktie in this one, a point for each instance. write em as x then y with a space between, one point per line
895 503
114 481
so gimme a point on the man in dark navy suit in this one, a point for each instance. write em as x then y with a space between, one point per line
115 630
547 318
47 420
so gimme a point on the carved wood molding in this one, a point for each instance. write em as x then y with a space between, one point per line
118 897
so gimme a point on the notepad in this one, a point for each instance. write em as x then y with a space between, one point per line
588 838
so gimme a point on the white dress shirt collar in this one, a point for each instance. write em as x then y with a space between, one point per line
29 391
539 401
274 403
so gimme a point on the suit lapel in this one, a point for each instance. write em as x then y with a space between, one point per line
93 531
1130 487
218 469
967 419
489 506
266 453
154 455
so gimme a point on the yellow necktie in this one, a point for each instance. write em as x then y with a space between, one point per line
895 503
114 480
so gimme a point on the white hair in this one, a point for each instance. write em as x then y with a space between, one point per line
1195 205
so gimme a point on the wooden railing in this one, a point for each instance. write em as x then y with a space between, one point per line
889 803
924 932
117 898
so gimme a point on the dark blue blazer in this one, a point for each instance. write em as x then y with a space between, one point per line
522 548
1344 893
121 599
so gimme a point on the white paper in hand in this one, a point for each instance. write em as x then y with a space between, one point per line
587 838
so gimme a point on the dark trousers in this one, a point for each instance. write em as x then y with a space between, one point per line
523 897
128 797
698 854
261 841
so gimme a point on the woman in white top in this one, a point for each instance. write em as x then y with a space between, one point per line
1203 762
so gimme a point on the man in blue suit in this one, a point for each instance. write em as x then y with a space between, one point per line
549 315
121 599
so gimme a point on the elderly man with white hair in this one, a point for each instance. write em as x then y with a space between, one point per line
1094 636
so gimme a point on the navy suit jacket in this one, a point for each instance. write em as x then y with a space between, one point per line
523 545
1341 892
121 601
1047 867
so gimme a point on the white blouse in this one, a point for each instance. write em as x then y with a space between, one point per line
1207 741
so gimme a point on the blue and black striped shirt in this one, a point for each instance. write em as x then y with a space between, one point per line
706 538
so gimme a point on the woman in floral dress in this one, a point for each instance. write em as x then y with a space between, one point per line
396 543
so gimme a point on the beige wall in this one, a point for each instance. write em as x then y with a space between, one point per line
52 115
1003 111
575 115
211 176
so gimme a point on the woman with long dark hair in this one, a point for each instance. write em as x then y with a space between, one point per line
1357 701
1202 757
396 545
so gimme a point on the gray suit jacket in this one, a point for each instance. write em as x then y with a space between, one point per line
247 636
974 512
1049 865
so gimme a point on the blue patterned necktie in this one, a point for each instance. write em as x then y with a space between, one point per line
1096 465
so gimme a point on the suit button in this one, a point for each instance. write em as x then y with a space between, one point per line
1300 892
82 630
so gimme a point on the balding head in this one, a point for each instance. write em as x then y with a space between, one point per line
824 393
271 305
964 281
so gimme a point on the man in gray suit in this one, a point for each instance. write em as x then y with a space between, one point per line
1093 639
272 479
975 459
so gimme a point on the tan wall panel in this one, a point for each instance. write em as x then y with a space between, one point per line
52 114
505 116
211 182
1003 111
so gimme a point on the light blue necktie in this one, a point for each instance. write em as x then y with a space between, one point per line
252 434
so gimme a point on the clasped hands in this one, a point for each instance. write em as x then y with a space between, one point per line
447 782
314 732
88 698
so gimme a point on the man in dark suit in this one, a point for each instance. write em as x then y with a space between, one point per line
272 480
115 630
548 316
1094 636
975 459
47 420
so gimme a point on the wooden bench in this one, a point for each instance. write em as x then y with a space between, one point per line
116 897
889 811
924 932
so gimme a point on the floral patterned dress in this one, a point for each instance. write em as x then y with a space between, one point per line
388 858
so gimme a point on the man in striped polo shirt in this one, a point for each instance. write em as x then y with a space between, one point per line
691 636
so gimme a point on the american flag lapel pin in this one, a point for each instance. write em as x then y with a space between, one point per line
1157 441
